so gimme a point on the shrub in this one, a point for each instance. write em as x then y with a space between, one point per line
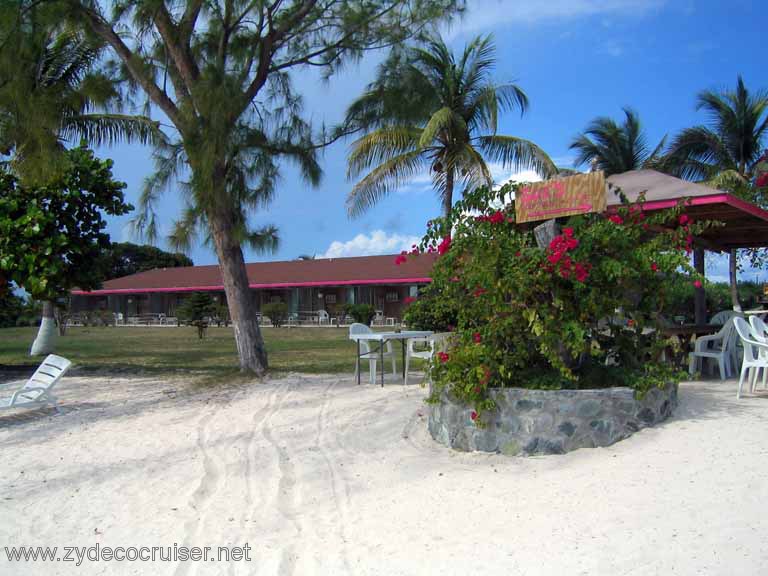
580 312
430 311
197 310
277 312
362 313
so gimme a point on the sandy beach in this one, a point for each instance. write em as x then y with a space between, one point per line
319 476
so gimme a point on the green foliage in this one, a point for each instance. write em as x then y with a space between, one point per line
429 110
51 235
12 307
616 148
362 313
277 312
574 314
430 311
197 310
124 258
680 297
51 89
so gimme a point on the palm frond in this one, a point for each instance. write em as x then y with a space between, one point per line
517 154
264 240
379 146
101 129
383 179
443 121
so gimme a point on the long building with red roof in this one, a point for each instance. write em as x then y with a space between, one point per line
307 286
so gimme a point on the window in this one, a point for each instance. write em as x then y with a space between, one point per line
393 296
330 298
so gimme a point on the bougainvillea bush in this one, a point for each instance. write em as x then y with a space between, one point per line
580 312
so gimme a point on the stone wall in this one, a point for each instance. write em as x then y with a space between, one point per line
528 422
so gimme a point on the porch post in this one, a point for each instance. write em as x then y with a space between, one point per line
699 298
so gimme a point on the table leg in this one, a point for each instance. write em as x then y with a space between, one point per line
381 356
402 342
357 362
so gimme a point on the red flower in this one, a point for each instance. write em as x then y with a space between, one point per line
443 357
401 259
455 279
630 322
444 246
762 180
616 219
409 300
697 283
568 232
684 219
478 389
581 272
517 253
473 415
477 337
486 375
479 292
654 267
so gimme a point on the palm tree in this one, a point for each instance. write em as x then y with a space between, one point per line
429 111
49 94
615 148
724 153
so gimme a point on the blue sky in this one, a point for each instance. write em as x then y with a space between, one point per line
576 59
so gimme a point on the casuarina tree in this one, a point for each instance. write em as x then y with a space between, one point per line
220 72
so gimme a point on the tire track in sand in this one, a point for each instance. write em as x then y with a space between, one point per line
210 481
285 490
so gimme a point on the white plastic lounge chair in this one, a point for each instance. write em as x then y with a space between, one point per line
38 389
755 355
367 354
718 347
435 343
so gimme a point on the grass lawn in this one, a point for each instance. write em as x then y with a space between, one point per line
313 350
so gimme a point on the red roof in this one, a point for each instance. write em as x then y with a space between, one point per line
287 274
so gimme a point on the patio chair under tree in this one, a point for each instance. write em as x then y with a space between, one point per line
722 317
434 344
716 347
38 389
755 355
371 355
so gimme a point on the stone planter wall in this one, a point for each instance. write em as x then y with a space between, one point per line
528 422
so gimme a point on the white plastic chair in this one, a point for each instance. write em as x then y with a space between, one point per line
435 343
371 355
38 389
722 317
755 355
323 317
718 347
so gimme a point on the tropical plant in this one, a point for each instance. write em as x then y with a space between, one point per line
582 312
277 312
221 74
197 310
50 235
362 313
430 111
725 153
615 148
51 92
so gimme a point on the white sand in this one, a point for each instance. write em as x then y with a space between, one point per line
320 476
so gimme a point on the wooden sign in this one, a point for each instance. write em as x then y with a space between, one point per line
579 194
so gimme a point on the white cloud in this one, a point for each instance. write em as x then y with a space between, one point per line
487 14
377 242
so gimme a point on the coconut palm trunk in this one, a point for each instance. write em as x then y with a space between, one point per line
250 345
46 336
448 193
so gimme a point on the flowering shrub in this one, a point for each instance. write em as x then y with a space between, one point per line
581 312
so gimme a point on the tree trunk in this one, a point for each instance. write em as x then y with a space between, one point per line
46 335
732 268
242 312
699 297
448 195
